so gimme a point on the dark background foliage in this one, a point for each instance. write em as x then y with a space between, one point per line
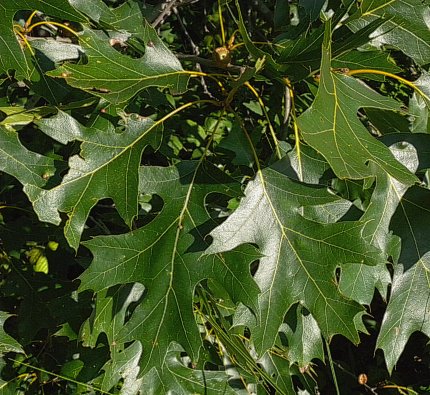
206 197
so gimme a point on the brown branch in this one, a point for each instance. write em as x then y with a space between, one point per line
209 62
169 5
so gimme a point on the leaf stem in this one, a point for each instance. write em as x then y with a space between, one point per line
89 386
14 208
251 144
63 26
212 76
398 387
30 18
221 22
256 43
333 373
266 115
23 38
394 76
232 344
295 127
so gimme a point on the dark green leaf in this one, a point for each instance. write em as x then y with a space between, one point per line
405 26
365 60
164 256
336 132
296 251
118 77
385 122
7 342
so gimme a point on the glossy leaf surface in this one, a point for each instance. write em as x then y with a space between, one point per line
299 256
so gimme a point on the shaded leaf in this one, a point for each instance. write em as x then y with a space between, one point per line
257 53
165 256
365 60
385 122
7 342
107 166
331 125
237 143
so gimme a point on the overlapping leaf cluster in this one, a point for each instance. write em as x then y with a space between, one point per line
241 229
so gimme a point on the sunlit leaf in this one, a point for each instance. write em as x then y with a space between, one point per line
408 309
406 26
30 168
300 256
118 77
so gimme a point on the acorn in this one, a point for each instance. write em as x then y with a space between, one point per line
362 379
222 56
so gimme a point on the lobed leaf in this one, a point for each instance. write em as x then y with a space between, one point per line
165 257
14 56
405 26
331 125
117 77
30 168
107 167
300 256
407 310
